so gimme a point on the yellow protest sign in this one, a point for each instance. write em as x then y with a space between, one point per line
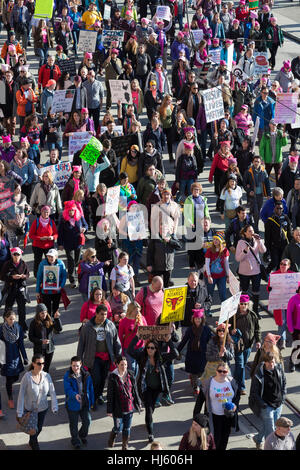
43 9
174 304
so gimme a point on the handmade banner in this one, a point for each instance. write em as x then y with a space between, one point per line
91 152
7 206
77 141
67 65
112 200
43 9
136 226
157 332
51 277
230 57
163 12
229 307
197 35
2 92
253 4
261 63
61 173
234 284
286 108
215 55
296 124
94 281
173 304
239 74
62 101
120 90
87 40
213 104
284 286
109 35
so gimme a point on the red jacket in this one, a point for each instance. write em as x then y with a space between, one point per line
44 74
36 233
218 162
277 313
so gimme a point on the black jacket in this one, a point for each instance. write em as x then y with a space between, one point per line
113 395
249 329
256 402
197 296
83 98
234 230
278 232
35 336
286 180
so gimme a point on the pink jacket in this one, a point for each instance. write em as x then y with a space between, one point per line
293 313
127 331
88 310
153 305
248 265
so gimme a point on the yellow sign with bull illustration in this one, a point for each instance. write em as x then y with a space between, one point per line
174 304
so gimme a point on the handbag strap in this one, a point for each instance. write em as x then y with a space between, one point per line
253 254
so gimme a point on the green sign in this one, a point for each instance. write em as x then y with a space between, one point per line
92 151
253 4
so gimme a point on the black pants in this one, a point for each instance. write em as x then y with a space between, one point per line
99 373
52 302
17 296
166 275
169 136
73 257
276 255
10 380
149 398
48 359
273 52
38 256
33 441
95 114
222 428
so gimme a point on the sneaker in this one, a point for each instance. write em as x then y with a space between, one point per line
150 438
158 403
282 345
167 400
73 285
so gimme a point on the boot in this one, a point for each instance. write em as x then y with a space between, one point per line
125 442
11 404
292 366
256 305
111 439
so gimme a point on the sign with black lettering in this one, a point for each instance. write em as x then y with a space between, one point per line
213 104
67 65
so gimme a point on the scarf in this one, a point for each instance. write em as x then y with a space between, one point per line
43 222
76 184
10 333
46 187
160 81
161 41
72 221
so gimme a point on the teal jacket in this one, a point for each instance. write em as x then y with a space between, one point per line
270 31
265 150
189 210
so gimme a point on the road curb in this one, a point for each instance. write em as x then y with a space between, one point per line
291 36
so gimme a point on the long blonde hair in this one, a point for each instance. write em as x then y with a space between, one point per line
193 436
163 107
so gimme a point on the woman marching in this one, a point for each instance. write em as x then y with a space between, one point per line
198 436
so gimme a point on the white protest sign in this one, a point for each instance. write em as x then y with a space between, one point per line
163 12
239 74
109 35
213 104
286 108
112 200
261 63
61 173
296 124
2 93
136 225
255 132
87 41
229 307
284 286
197 34
107 12
120 90
62 101
230 57
77 141
214 55
234 284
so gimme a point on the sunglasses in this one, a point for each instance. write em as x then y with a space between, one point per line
151 347
283 264
93 256
222 371
40 363
16 254
222 331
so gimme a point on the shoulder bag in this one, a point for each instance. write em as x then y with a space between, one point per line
263 271
28 423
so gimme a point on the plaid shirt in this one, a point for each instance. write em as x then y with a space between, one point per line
126 397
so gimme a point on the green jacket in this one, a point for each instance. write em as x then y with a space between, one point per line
265 150
270 31
189 210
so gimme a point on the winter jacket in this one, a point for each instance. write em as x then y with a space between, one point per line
92 173
36 336
145 187
113 394
68 191
88 310
286 180
86 349
285 79
295 65
5 254
30 392
104 252
212 352
160 255
51 199
268 209
27 172
45 72
265 148
195 361
146 159
293 313
234 230
256 402
265 110
176 47
39 278
278 232
37 231
254 178
292 252
190 209
14 351
248 330
9 269
248 265
83 98
258 359
218 162
47 100
68 235
87 270
270 31
23 101
71 390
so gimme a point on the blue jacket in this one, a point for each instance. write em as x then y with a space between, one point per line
268 209
71 390
47 99
14 363
265 110
4 250
39 276
195 361
68 236
26 172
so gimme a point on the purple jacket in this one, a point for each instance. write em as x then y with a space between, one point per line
201 119
176 48
87 270
69 21
7 154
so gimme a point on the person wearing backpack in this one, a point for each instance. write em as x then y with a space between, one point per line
43 233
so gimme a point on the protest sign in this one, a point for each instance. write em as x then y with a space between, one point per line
91 152
62 101
253 4
2 93
286 108
77 141
120 90
197 34
67 65
214 55
163 12
136 226
173 304
239 74
284 286
61 173
43 9
255 132
230 57
87 40
51 277
296 124
213 104
157 332
109 35
112 200
234 284
7 206
94 281
261 63
107 12
229 307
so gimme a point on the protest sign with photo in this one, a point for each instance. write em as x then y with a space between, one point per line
213 104
51 277
7 206
239 74
77 141
112 200
136 225
61 173
109 35
62 101
173 304
120 90
163 12
284 286
229 307
261 63
67 65
94 281
197 35
91 152
286 108
214 55
87 40
157 332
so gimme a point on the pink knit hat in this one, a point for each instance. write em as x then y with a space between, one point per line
272 338
222 62
273 19
77 168
293 158
180 34
24 139
88 55
6 139
222 326
16 250
244 298
145 20
198 312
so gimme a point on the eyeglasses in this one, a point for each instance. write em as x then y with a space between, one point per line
222 371
16 254
151 347
283 264
40 363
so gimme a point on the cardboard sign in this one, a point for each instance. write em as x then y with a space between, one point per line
118 129
253 4
229 307
239 74
163 12
157 332
213 104
77 141
112 200
110 35
91 152
68 65
261 63
286 108
43 9
62 101
174 304
284 286
87 41
51 277
136 225
61 173
120 90
197 35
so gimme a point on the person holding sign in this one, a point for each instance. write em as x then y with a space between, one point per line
219 348
90 266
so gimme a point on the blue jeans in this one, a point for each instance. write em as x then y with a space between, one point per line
55 145
221 283
43 54
169 368
184 187
123 424
73 424
131 363
282 328
241 359
268 417
75 36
